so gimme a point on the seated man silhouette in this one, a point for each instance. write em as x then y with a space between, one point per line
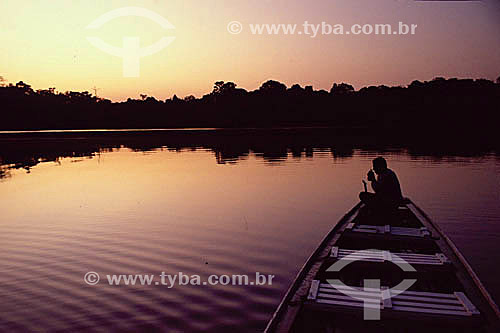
387 196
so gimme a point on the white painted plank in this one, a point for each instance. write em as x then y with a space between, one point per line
366 231
313 291
335 252
417 261
366 226
443 258
333 292
427 294
416 255
349 304
362 256
344 287
433 311
430 306
379 256
426 299
466 303
347 298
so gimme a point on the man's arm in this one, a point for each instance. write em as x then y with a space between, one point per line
375 185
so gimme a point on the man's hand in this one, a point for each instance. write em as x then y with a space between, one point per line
371 176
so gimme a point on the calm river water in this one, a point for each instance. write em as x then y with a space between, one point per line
70 206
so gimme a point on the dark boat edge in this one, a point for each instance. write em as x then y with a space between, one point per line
284 305
305 268
463 261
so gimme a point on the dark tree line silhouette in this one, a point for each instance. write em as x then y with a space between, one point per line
446 107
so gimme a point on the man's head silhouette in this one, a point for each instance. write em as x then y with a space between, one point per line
379 165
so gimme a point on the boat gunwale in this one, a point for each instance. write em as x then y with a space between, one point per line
305 268
477 282
280 312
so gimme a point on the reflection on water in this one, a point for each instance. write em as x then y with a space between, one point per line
25 150
203 203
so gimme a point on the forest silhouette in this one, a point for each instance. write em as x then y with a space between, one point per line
444 107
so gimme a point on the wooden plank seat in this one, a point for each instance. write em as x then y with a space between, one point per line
388 230
389 301
387 256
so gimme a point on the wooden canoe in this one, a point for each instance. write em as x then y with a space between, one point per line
445 296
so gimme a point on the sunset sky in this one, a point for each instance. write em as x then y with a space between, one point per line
44 44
